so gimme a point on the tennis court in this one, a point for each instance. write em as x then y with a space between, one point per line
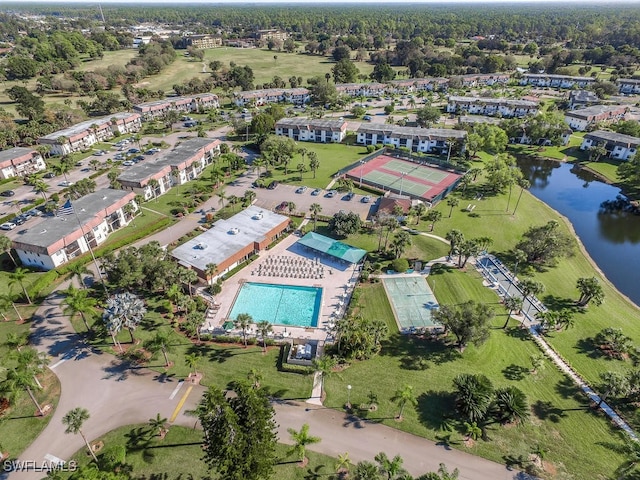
412 302
418 180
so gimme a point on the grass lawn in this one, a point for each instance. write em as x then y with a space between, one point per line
332 157
178 455
561 422
220 363
607 167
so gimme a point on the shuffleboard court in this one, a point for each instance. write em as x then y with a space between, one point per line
412 302
407 177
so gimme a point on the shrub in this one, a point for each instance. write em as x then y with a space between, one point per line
400 264
113 456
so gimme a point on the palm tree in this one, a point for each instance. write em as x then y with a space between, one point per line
366 471
17 340
630 449
255 377
243 321
22 378
590 290
18 276
74 419
78 270
613 383
189 277
403 396
7 300
249 196
301 440
154 185
433 216
524 184
530 287
314 163
210 271
391 467
159 343
5 247
78 301
41 187
452 202
342 465
455 238
472 430
474 395
264 328
420 210
511 304
291 207
400 243
192 361
126 310
158 424
512 404
315 209
325 366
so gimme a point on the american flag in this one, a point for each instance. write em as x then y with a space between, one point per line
66 209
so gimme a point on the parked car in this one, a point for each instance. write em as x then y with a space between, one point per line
128 163
349 196
273 185
118 156
366 199
8 226
367 118
78 164
190 123
131 151
331 193
283 205
301 189
99 153
34 212
49 175
316 192
19 220
8 193
152 151
138 158
66 183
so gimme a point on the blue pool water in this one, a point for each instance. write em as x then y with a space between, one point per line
279 304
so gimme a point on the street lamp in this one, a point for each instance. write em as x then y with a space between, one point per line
348 396
402 174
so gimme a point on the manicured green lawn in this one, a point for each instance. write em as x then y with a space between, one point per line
561 422
608 168
178 455
332 158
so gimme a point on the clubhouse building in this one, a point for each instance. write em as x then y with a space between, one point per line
232 241
59 239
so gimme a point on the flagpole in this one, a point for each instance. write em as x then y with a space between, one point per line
95 262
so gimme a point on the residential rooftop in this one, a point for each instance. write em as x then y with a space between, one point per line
15 152
614 137
594 111
391 130
311 122
82 127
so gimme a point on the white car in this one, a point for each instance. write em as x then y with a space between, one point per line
66 183
128 163
8 226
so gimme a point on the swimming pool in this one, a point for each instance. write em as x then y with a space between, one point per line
279 304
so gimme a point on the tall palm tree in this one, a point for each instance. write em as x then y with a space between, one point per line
530 288
391 467
41 187
17 340
264 328
301 439
192 360
511 304
160 342
6 245
210 271
452 202
154 185
243 321
433 216
18 276
314 163
73 420
315 209
420 210
524 184
455 238
125 309
78 301
325 366
78 270
158 424
6 300
402 396
22 378
400 243
512 404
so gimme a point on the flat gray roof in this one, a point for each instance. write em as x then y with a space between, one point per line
53 229
84 126
176 156
613 137
220 243
489 100
395 130
311 122
593 110
14 153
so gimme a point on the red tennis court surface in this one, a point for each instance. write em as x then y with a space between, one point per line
417 180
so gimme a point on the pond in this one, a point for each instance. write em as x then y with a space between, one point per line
612 238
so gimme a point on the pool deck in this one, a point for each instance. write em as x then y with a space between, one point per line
337 286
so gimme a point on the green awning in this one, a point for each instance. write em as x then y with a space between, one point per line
332 247
228 325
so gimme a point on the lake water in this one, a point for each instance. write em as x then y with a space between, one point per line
612 239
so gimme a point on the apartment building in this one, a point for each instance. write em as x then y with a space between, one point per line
18 162
555 81
484 79
193 103
415 139
296 96
202 41
618 146
57 240
312 130
183 163
361 89
504 107
584 118
629 86
85 134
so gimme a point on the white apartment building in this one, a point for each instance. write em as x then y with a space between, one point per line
18 162
504 107
618 146
312 130
415 139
